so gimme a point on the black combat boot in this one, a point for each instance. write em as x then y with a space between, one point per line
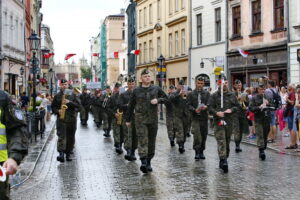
201 155
149 168
224 165
61 157
128 155
132 155
143 167
262 154
197 154
237 147
119 148
105 133
181 148
68 158
172 143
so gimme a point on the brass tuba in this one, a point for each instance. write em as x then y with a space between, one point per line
63 108
120 117
106 99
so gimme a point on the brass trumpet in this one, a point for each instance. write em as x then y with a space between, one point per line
120 117
63 108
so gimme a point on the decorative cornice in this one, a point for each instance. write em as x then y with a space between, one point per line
198 8
216 2
144 33
177 59
176 21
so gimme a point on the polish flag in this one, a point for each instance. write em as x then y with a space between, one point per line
96 54
114 55
48 55
68 56
136 52
243 53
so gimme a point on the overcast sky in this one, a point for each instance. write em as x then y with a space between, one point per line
73 22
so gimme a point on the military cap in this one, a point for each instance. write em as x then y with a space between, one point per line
145 71
237 81
172 87
181 82
107 87
63 81
130 79
117 85
190 89
200 78
261 86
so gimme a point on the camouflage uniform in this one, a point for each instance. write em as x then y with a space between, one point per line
180 122
97 110
86 101
199 120
129 133
66 127
146 118
262 121
170 122
223 132
16 134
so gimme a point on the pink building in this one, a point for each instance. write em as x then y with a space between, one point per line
259 27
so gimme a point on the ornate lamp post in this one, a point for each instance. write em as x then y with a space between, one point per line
161 64
34 41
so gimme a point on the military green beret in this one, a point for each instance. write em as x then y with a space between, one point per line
63 81
181 82
145 71
117 85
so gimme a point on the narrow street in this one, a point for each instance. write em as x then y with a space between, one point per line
97 172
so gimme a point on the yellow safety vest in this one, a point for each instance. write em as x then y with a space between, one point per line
3 142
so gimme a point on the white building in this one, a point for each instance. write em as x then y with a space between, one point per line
12 54
95 57
208 40
294 44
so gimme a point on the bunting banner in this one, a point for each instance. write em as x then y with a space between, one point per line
243 53
136 52
114 55
68 56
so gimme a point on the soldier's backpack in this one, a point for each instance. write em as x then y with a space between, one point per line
276 99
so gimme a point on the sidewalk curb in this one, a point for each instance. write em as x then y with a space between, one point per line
37 159
278 151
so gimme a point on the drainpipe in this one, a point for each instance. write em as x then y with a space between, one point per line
288 41
190 45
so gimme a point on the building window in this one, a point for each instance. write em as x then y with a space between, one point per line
145 52
170 45
218 24
176 5
145 17
158 9
140 19
183 41
278 14
236 19
150 50
256 16
141 55
150 14
176 43
170 7
123 34
199 29
182 4
158 47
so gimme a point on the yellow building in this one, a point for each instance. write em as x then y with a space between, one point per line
163 29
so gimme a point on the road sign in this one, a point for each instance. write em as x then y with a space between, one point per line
93 85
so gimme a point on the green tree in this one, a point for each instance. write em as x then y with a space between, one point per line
86 73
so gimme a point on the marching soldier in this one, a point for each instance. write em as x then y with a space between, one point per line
66 107
13 140
197 101
144 101
130 137
178 100
86 101
223 120
106 114
97 108
260 106
117 114
170 117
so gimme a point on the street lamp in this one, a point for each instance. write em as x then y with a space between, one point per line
161 63
51 72
34 41
212 60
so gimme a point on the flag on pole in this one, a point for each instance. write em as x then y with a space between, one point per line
114 55
96 54
68 56
136 52
48 55
243 53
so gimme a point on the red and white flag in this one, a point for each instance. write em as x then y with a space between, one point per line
136 52
96 54
243 53
68 56
48 55
114 55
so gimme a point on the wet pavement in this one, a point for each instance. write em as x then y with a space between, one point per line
97 172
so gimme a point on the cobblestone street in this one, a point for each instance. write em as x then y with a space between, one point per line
97 172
